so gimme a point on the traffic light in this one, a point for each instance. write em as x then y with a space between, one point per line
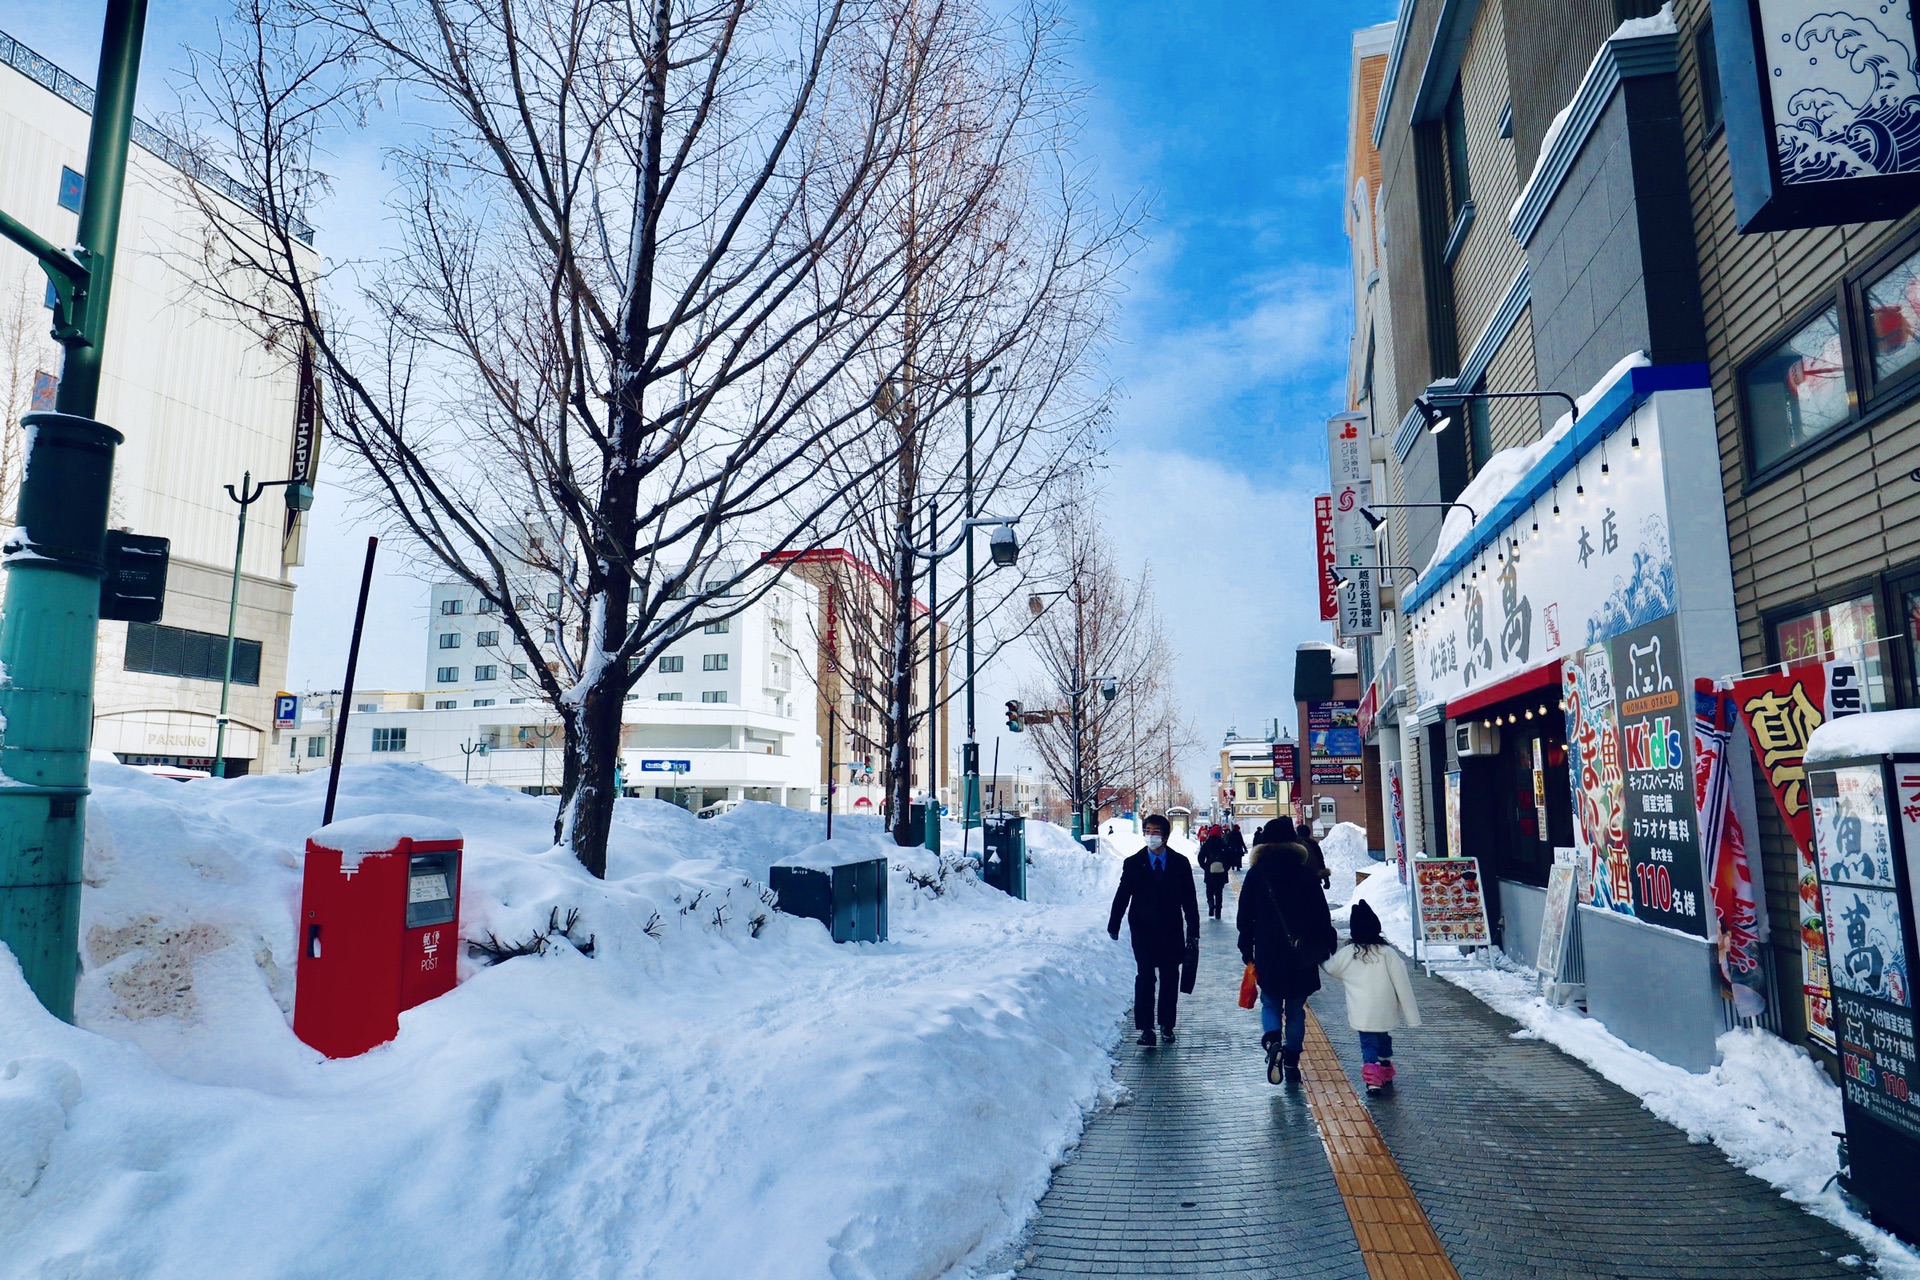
1016 721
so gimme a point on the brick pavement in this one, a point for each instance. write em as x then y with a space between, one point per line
1526 1162
1531 1164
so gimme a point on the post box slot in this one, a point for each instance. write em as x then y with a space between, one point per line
313 941
432 888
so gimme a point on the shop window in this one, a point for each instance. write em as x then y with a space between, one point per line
1707 57
1795 392
1892 309
1848 628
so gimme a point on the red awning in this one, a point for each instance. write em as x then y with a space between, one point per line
1546 677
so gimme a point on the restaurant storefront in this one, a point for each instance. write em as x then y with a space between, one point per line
1557 645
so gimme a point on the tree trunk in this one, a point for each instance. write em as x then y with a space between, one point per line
591 817
901 757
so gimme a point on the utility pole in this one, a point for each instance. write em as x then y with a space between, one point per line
299 498
49 624
970 752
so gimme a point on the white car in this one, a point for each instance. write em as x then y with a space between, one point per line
717 808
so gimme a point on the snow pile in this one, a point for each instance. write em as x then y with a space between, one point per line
1870 733
1768 1105
1507 468
1345 849
1388 897
719 1091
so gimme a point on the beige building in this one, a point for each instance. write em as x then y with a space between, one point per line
200 401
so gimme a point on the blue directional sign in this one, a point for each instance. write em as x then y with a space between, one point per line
666 766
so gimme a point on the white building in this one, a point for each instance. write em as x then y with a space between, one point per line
726 714
200 401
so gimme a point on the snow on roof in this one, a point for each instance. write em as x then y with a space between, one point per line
1507 468
1346 662
1871 733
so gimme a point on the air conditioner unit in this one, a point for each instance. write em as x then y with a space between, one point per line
1476 739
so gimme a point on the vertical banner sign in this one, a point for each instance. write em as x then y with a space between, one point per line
1540 792
305 456
1323 554
1453 813
1594 770
1665 877
1781 712
1397 818
1872 992
1562 878
1736 910
1283 768
1349 474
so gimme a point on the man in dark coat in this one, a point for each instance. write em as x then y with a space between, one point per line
1162 911
1236 848
1285 933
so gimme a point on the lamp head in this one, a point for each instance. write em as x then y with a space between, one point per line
1373 518
1109 689
300 496
1036 606
1437 418
1005 547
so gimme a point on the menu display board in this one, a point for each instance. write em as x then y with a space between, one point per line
1452 905
1550 954
1867 941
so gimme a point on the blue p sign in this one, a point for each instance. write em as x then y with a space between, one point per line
286 711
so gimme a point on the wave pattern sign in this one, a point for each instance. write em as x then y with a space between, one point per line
1844 87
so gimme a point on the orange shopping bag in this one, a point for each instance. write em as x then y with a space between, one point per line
1249 988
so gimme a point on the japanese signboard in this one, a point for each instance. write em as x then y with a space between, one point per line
1396 819
1451 804
1284 769
1736 907
1333 730
1665 875
1359 602
1452 907
1323 555
1549 956
1863 890
286 710
1349 452
1596 775
1781 711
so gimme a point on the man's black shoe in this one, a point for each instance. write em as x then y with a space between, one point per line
1166 1033
1146 1039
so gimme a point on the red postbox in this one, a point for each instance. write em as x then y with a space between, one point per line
379 928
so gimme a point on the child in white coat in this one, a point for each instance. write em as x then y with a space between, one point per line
1379 995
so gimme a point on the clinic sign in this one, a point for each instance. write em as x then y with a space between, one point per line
1820 100
1350 491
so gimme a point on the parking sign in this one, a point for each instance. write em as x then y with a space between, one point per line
286 710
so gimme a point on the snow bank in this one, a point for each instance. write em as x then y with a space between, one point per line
1345 848
1869 734
719 1091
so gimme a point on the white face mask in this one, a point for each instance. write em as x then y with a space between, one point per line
1155 841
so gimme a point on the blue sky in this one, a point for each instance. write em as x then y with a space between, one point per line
1229 118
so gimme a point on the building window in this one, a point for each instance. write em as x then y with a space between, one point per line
449 639
1892 308
1847 628
389 739
519 671
448 675
446 704
713 662
483 702
449 608
487 639
486 606
194 655
1795 391
719 628
1459 183
316 748
1712 110
672 663
553 599
714 695
486 671
670 697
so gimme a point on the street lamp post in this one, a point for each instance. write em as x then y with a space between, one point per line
470 749
299 498
970 752
49 626
545 733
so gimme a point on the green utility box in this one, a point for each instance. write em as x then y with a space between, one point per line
923 825
850 898
1003 853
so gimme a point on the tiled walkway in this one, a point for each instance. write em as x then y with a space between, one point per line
1524 1162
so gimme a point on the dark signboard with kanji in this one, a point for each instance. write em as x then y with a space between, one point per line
1653 705
1866 831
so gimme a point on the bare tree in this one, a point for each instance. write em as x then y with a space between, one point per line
26 353
1107 677
1011 264
637 311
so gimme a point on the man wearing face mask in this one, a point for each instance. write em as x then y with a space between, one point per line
1157 898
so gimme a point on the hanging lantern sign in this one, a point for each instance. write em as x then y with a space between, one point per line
1822 108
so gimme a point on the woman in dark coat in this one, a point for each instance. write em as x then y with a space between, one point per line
1236 848
1213 869
1285 932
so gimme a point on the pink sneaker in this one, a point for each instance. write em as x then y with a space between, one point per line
1387 1071
1374 1076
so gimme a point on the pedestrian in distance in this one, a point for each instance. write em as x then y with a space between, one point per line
1286 931
1213 869
1281 830
1162 912
1236 848
1379 994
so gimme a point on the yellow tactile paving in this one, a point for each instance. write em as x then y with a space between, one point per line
1396 1240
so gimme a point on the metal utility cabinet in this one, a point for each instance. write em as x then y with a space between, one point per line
850 898
1003 853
